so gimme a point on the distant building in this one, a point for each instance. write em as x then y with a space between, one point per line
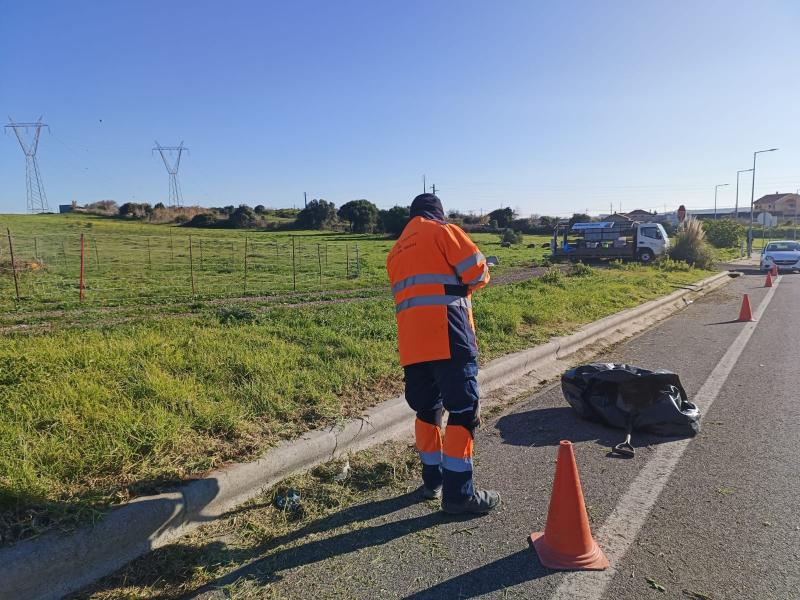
640 215
68 208
777 203
617 218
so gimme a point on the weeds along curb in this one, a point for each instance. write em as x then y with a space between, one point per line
56 564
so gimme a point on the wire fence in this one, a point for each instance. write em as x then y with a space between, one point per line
109 269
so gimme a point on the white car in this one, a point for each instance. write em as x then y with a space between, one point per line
783 253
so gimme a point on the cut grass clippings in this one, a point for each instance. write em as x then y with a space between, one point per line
94 415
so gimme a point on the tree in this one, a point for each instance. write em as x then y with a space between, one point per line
723 233
548 222
135 210
361 214
260 209
394 220
579 218
243 217
159 206
509 236
318 214
503 216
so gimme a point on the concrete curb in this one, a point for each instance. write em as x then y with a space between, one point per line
56 564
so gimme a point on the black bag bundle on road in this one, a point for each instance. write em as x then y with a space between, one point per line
630 397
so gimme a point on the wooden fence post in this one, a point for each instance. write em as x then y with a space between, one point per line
347 261
171 249
149 256
358 263
13 263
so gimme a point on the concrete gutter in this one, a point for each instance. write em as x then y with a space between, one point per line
56 564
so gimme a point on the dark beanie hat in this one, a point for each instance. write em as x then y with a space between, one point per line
427 206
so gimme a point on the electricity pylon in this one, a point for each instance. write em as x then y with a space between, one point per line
167 152
37 199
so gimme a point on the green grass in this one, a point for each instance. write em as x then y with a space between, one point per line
96 413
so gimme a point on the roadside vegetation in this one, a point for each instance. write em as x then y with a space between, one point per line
99 412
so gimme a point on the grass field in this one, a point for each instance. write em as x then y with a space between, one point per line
98 407
127 263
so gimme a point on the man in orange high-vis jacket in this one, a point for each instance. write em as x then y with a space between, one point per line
433 268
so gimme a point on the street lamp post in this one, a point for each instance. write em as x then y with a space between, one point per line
796 202
716 187
736 215
752 199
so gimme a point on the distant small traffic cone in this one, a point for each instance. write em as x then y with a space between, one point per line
745 314
774 270
768 282
567 542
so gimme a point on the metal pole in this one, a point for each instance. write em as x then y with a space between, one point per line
245 264
715 202
13 263
81 278
752 197
752 200
319 262
294 271
736 217
191 264
795 212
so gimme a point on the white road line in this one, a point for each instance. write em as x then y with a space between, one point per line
627 519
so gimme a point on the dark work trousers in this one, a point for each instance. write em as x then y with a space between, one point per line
450 385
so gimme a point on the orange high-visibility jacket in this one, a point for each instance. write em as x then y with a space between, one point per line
433 269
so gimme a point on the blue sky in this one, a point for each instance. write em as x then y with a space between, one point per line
547 107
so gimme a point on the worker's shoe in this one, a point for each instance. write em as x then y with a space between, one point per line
431 493
477 504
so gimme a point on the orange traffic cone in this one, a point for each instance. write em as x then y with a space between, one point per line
745 314
768 282
566 542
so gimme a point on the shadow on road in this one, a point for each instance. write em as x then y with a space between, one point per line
503 573
548 426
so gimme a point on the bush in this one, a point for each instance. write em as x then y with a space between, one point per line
553 276
243 217
723 233
581 270
208 220
691 246
665 263
509 236
230 315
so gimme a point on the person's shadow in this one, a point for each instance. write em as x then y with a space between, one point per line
503 573
548 426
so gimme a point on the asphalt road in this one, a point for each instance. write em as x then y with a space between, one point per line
725 525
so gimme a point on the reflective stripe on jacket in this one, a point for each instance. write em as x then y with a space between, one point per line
433 269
